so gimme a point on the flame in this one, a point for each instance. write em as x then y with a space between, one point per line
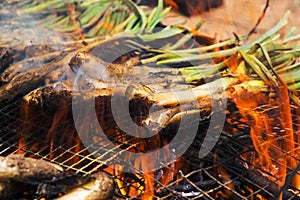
45 133
26 115
226 179
139 182
272 133
276 148
146 163
59 116
145 187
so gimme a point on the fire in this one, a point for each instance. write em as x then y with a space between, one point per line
46 133
141 183
59 116
272 133
144 188
271 130
225 179
26 115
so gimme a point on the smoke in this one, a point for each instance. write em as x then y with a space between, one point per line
23 29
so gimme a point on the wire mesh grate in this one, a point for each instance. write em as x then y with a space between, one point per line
225 173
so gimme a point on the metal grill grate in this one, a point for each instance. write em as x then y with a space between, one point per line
196 179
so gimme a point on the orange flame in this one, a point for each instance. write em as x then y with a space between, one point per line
271 132
59 116
144 189
26 115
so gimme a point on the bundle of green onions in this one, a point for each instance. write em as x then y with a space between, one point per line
270 57
96 17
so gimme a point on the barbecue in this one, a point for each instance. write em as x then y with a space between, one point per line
143 110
